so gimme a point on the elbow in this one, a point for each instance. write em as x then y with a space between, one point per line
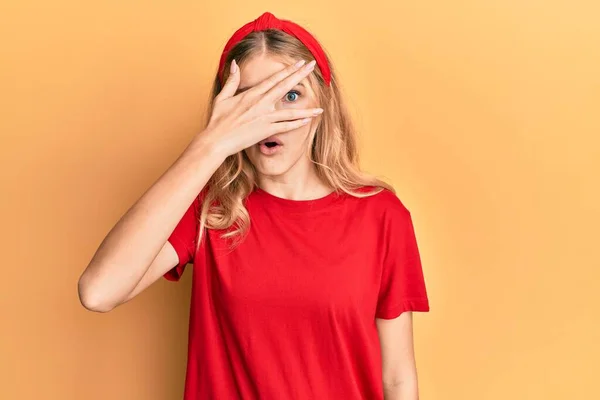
90 304
92 297
401 388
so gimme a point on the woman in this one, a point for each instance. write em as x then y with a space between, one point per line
306 271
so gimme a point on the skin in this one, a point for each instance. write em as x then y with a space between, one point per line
398 357
290 174
136 253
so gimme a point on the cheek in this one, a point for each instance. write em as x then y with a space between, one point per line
298 138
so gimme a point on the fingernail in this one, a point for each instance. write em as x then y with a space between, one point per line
317 111
233 68
306 120
310 65
299 63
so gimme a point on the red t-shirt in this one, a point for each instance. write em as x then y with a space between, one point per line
290 313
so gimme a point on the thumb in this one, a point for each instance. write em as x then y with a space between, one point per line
232 83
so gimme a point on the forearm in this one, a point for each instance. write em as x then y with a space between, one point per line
129 248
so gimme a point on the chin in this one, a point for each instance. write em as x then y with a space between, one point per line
270 167
274 165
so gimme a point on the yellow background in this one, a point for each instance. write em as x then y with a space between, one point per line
483 114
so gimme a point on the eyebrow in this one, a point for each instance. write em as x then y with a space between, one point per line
241 90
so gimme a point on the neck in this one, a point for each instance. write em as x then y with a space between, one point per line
300 182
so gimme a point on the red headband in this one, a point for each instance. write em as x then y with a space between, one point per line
269 21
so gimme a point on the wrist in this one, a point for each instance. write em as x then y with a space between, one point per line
202 149
208 142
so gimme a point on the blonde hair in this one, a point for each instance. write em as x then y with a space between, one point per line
333 147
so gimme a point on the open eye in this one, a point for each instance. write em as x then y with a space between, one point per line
292 96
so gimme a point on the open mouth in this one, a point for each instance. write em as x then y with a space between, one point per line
270 146
271 141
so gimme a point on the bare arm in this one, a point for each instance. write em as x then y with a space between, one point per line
398 358
135 253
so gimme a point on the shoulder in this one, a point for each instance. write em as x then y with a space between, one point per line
383 214
383 201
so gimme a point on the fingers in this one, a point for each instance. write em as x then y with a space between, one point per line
274 79
279 90
233 81
288 125
291 114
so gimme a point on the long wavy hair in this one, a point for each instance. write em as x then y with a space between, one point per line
332 146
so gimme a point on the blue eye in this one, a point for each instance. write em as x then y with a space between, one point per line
292 92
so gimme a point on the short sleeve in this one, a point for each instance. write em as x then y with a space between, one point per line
184 238
402 286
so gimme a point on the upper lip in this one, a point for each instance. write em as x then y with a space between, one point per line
271 139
